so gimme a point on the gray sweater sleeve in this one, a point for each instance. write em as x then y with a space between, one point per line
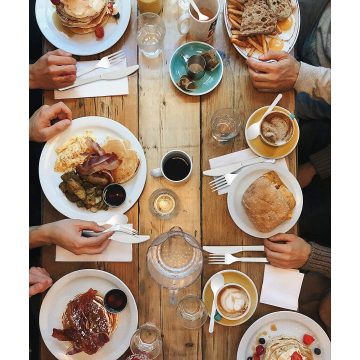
315 81
319 260
322 162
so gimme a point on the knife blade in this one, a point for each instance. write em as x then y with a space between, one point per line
222 250
228 169
118 74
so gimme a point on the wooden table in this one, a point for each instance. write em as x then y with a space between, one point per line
163 118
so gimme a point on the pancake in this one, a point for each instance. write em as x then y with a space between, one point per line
128 157
79 9
283 347
83 16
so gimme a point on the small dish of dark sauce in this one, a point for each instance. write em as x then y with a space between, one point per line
114 195
115 300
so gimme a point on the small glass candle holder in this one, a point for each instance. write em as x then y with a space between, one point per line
191 312
225 124
147 341
164 203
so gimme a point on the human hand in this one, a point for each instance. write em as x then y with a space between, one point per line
278 75
67 234
287 251
39 280
306 173
54 70
40 128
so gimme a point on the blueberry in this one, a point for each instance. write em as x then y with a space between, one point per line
117 16
249 358
262 341
317 351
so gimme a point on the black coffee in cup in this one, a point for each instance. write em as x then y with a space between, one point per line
176 167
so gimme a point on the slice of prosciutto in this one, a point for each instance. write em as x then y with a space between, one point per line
95 163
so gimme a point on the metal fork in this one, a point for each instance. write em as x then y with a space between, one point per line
105 62
228 259
116 228
222 182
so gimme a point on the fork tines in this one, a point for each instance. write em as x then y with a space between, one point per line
118 55
215 259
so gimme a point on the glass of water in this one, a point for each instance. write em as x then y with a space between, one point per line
225 124
147 341
191 312
150 34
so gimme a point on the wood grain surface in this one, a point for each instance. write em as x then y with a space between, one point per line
163 119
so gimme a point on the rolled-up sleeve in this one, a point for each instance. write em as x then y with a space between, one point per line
315 81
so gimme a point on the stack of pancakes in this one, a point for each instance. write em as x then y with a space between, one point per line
83 16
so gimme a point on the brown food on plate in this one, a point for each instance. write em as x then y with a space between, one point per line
282 8
129 160
257 19
86 324
84 16
268 202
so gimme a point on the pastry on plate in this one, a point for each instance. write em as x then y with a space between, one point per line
268 202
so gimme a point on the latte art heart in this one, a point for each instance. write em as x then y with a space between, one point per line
233 301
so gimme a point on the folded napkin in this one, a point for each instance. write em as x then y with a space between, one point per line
115 251
281 287
235 157
97 88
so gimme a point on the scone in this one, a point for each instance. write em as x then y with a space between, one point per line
268 202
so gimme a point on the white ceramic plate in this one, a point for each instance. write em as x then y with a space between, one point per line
288 323
64 290
85 44
244 180
289 37
101 128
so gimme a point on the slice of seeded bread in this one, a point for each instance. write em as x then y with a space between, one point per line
257 18
282 8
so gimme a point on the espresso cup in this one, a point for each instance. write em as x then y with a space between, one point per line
233 301
175 166
277 128
200 30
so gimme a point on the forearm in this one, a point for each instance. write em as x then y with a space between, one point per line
315 81
319 260
322 162
38 236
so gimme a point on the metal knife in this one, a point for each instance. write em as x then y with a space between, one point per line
118 74
222 250
228 169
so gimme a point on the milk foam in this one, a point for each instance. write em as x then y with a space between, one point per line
234 300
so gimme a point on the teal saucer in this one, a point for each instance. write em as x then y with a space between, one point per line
177 68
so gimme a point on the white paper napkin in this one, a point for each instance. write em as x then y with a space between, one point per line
115 251
281 287
97 88
235 157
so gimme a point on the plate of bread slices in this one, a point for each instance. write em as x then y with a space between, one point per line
264 200
257 26
83 27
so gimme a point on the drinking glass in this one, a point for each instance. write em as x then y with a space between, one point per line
137 357
150 34
147 341
191 312
225 124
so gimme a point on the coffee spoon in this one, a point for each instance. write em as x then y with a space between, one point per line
253 131
217 282
202 17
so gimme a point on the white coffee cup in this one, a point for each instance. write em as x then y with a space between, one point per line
246 298
200 30
163 170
